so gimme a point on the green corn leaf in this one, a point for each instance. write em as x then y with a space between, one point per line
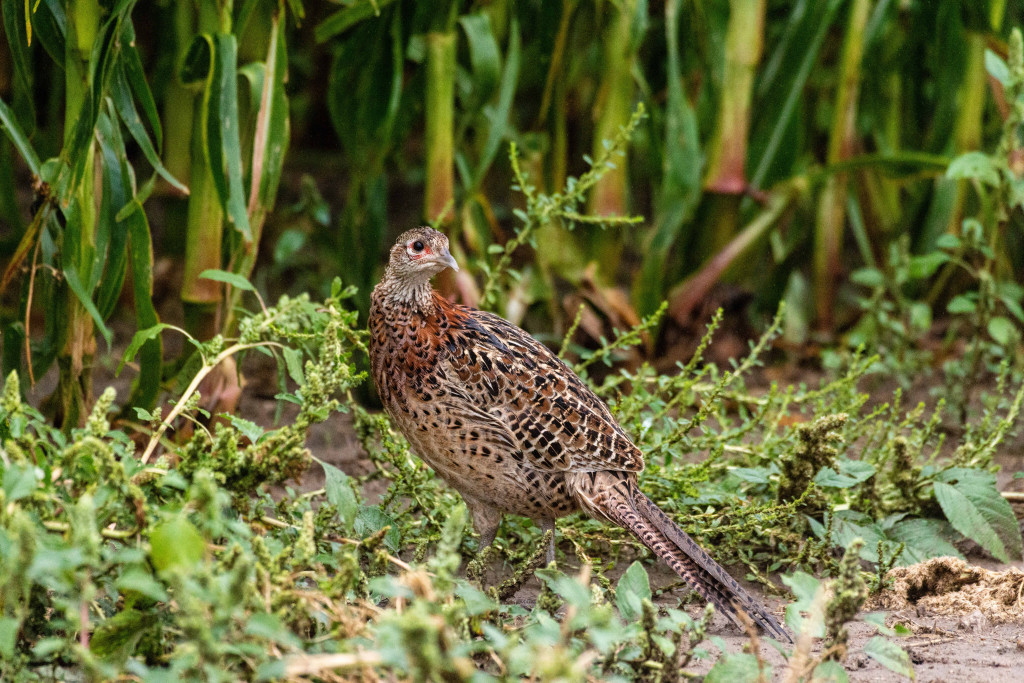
21 59
498 129
224 128
126 111
211 61
18 138
272 128
131 68
346 18
680 184
811 34
111 236
49 25
484 55
147 386
76 285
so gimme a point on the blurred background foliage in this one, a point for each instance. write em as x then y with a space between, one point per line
858 159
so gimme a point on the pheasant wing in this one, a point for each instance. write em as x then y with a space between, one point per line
528 396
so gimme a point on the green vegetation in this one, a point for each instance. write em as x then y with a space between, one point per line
155 535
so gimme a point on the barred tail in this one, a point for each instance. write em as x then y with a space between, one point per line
615 497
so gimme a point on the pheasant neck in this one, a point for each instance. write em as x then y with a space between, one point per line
407 289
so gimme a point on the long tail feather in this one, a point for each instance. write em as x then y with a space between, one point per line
621 502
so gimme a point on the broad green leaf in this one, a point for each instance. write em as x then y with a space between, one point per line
140 338
9 627
249 429
830 671
734 667
925 265
979 487
996 67
634 587
176 543
370 519
1001 329
868 277
920 316
890 655
293 361
807 611
974 507
923 539
117 637
753 475
340 494
269 626
568 588
142 582
962 303
19 481
476 601
851 473
233 279
974 166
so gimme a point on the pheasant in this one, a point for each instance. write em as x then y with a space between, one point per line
506 423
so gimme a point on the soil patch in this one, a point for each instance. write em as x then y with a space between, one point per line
952 587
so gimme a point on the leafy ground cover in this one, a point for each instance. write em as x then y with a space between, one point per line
205 563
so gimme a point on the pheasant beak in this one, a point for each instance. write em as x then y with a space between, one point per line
444 257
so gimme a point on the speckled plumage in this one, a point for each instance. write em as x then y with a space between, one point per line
506 423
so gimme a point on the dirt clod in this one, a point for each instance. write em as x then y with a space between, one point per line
950 586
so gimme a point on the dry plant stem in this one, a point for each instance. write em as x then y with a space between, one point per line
196 381
307 665
28 314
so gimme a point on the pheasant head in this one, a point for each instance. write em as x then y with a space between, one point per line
418 255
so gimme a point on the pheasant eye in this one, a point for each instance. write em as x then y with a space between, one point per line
417 246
